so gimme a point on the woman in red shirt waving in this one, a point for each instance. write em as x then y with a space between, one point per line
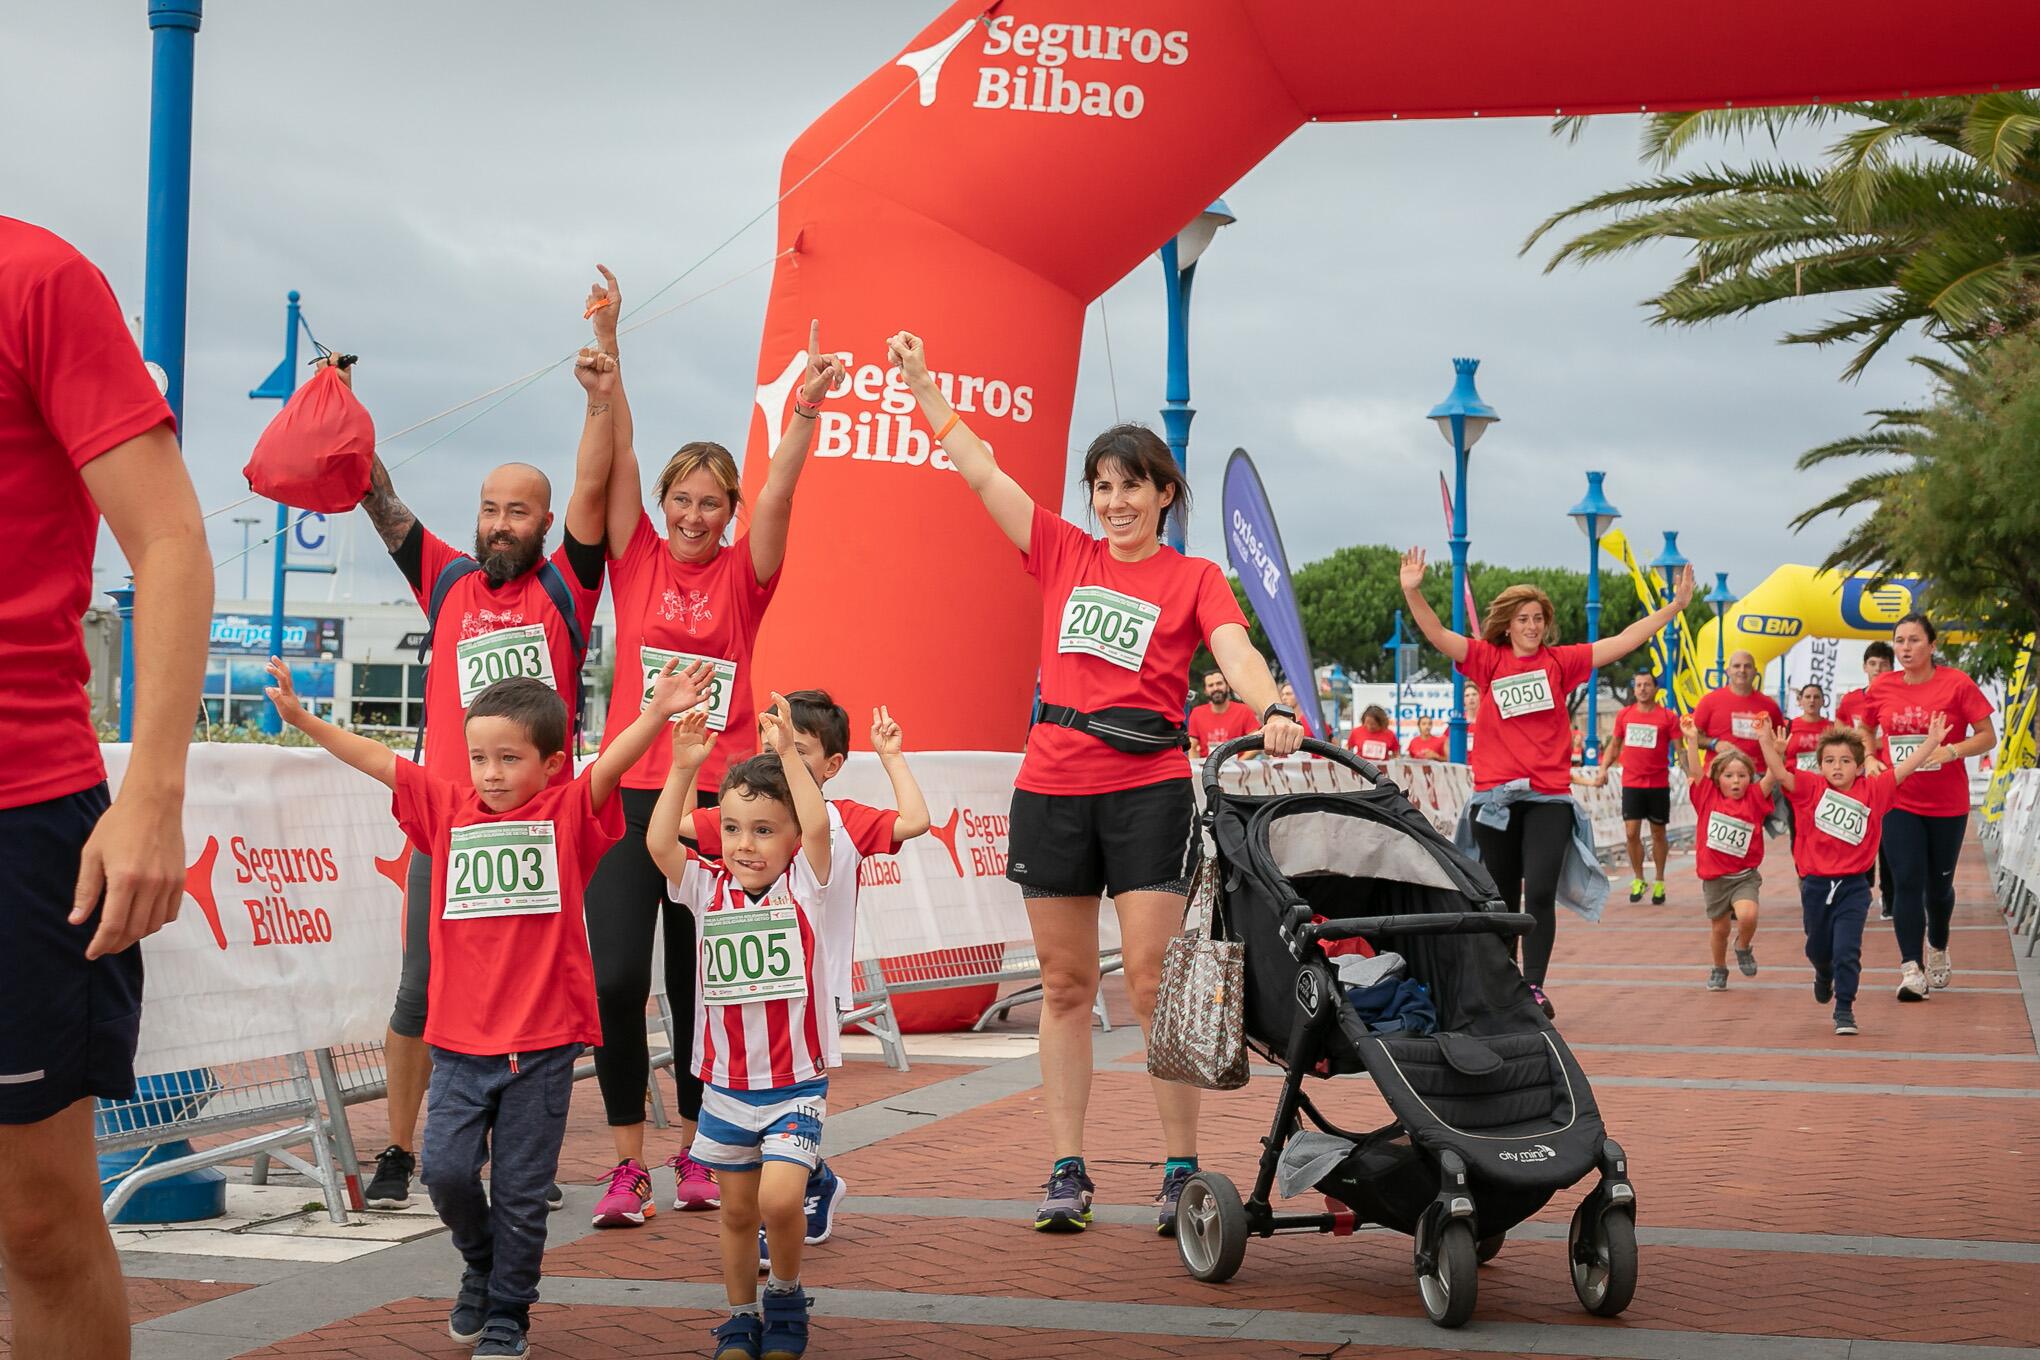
1522 755
1103 802
680 592
1930 814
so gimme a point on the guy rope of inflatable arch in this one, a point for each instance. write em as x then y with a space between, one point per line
520 384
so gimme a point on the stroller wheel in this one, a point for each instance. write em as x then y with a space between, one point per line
1211 1228
1446 1269
1488 1248
1602 1249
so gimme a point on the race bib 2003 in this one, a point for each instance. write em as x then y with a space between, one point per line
506 654
1642 736
502 869
1729 835
1842 817
1108 625
752 954
721 686
1516 695
1902 748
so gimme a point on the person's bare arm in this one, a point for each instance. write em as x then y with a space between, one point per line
775 730
909 803
692 741
1008 503
1923 752
1689 747
392 519
588 507
1610 754
773 511
135 855
1609 650
674 691
1233 648
372 758
1984 738
1774 763
1411 575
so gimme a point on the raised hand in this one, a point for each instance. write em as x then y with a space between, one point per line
886 737
676 691
824 371
283 693
1412 571
332 361
775 728
1682 590
605 302
907 353
596 372
692 741
1688 729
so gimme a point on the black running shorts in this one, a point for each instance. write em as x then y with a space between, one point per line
1081 844
1647 805
68 1026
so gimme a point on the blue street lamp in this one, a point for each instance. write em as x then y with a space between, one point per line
1723 599
1179 266
1594 514
1668 564
1462 418
1395 645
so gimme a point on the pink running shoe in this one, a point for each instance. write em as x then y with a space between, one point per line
695 1185
628 1201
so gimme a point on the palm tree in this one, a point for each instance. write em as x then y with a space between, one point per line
1928 207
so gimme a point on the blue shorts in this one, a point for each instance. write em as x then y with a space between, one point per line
68 1026
742 1130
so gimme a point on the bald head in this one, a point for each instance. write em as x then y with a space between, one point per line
511 525
1742 672
520 483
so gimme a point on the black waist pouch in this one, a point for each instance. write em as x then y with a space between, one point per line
1136 731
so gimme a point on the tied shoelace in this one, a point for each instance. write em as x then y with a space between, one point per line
625 1177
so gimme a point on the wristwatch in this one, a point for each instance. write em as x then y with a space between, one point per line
1278 710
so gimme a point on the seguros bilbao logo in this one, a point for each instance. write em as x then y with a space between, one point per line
278 886
886 430
977 838
1071 70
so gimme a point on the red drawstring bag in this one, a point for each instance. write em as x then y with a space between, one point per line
316 454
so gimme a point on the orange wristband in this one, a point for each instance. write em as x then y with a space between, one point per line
947 426
595 307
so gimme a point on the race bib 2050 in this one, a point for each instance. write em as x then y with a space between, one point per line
1108 625
1516 695
1842 817
502 869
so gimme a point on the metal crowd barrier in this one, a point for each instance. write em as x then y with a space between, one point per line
2012 844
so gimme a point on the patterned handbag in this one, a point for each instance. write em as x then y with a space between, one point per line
1198 1035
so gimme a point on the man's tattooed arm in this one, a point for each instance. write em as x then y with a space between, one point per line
391 517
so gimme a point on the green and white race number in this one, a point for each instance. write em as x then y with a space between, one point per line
1729 835
1809 760
752 954
1902 748
506 654
1842 817
721 686
1640 736
1108 625
1516 695
502 869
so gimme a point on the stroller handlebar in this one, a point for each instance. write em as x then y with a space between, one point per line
1418 923
1252 742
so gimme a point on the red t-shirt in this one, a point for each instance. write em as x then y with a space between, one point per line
1835 831
511 972
487 634
1211 729
1368 745
1853 710
1523 729
709 610
1803 743
1649 737
1114 635
1901 711
1730 835
72 386
1730 717
1427 748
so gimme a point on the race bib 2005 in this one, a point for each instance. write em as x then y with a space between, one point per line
1108 625
1642 736
1842 817
1809 760
721 685
1744 725
752 954
1516 695
506 654
1729 835
1902 748
502 869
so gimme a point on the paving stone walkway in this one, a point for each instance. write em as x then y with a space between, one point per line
1801 1197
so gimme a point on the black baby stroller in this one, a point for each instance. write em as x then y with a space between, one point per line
1493 1115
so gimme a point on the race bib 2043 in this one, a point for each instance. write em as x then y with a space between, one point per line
1516 695
1642 736
1729 835
752 954
506 654
1108 625
502 869
1842 817
721 686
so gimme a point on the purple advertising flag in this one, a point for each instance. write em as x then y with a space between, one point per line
1254 547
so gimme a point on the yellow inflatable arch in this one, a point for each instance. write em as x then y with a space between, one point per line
1797 602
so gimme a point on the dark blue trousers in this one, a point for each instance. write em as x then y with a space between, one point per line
1834 909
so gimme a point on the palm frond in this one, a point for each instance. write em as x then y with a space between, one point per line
2003 132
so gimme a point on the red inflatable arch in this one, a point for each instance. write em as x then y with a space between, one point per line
1047 146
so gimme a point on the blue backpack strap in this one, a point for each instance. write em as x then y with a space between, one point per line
556 588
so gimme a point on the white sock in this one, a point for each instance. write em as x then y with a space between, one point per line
775 1285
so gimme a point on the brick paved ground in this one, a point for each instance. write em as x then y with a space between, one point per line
1800 1195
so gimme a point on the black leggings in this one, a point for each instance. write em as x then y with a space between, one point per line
1524 859
1922 852
625 900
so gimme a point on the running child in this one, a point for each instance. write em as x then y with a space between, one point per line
1730 803
1374 739
511 1000
1841 811
821 738
764 999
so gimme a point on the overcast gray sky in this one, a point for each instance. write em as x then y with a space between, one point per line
439 179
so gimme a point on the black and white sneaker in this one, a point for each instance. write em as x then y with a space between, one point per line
555 1198
1845 1020
391 1187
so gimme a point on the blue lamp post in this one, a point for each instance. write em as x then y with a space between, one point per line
1179 266
1594 514
1668 564
1396 643
1462 418
1723 599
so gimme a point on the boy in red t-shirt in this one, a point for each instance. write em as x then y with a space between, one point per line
512 992
1839 812
1731 804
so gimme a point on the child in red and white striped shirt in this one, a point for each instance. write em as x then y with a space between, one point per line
763 1003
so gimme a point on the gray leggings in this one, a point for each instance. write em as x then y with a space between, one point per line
408 1016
